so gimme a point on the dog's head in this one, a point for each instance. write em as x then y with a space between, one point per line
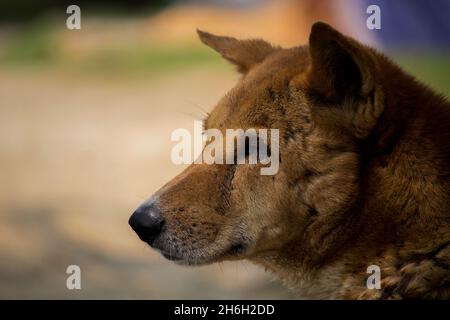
324 99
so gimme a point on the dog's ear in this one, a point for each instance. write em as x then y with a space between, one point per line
243 53
340 65
343 70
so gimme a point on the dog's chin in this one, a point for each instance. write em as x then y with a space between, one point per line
175 258
198 258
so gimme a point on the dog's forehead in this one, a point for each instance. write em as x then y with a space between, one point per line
283 62
262 87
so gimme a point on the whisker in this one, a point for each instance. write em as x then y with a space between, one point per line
189 115
203 111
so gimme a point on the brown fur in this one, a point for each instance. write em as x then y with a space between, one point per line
363 179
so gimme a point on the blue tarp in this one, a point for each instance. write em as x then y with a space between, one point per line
423 24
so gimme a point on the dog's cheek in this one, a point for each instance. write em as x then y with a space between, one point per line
245 187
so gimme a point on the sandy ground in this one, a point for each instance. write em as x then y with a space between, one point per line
77 155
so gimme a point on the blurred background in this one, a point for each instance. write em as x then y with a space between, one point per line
86 117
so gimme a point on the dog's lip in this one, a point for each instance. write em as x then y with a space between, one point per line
167 253
234 250
170 256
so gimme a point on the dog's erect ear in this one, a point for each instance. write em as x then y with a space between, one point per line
243 53
340 65
343 69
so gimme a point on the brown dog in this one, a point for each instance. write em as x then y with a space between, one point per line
364 175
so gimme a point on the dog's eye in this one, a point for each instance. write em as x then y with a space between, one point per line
263 145
246 149
251 146
247 146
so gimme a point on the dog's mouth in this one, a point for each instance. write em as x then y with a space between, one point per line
235 250
171 257
192 258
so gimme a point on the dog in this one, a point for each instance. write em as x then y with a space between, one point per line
363 180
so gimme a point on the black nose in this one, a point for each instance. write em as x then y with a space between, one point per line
147 222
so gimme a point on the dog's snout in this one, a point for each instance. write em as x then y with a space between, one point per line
147 222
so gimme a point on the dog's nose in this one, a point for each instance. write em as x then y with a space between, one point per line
147 222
